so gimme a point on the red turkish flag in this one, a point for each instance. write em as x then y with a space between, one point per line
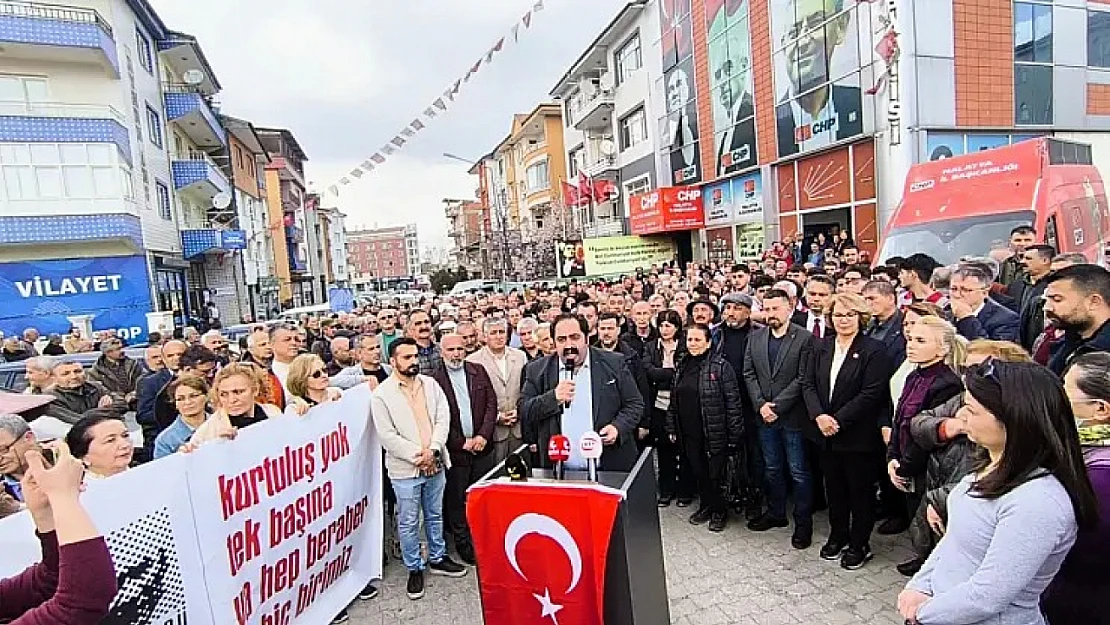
541 550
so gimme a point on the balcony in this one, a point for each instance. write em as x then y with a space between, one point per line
294 238
599 167
197 174
191 111
593 112
54 122
182 54
604 227
196 243
58 34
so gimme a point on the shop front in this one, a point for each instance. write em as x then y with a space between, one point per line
675 213
830 192
734 230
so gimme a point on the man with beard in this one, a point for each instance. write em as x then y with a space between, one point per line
413 419
642 332
608 339
583 390
1011 270
505 366
473 405
1077 300
1036 260
815 113
818 291
469 333
773 365
735 329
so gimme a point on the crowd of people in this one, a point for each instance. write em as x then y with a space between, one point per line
967 406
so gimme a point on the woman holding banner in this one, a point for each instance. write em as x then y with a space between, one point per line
235 402
76 581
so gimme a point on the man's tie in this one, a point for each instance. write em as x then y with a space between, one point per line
817 327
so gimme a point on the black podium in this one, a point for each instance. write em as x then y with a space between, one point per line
635 577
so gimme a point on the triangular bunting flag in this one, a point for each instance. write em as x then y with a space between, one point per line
367 165
527 19
497 46
344 180
334 189
429 112
538 6
407 132
398 141
489 56
417 124
440 104
516 32
357 173
388 149
378 158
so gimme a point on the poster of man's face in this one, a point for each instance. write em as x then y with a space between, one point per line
731 77
674 26
817 71
679 129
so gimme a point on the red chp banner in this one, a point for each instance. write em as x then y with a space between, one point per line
541 551
668 209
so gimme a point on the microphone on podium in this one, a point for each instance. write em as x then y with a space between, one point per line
590 448
558 452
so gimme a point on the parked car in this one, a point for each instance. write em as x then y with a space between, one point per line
12 376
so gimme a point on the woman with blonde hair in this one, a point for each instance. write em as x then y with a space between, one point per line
847 393
308 381
937 353
235 392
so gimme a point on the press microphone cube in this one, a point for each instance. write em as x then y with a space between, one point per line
590 448
558 452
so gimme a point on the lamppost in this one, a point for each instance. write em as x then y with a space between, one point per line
500 212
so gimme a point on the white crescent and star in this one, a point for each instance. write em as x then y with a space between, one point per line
542 525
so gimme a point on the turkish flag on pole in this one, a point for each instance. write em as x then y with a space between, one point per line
585 186
571 196
541 551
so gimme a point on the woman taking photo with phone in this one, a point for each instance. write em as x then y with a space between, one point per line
76 581
1013 520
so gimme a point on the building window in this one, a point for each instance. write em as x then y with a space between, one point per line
1032 95
62 171
1098 38
165 209
1032 32
633 129
146 53
637 186
154 126
19 94
576 156
629 58
536 177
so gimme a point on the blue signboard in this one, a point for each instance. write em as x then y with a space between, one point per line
42 294
233 239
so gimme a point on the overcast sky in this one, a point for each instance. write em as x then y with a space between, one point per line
346 76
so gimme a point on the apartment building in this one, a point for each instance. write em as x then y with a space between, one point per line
382 258
465 229
247 159
285 204
610 115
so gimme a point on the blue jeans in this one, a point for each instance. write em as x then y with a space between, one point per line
785 449
416 495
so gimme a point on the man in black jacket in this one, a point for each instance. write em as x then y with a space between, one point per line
642 331
773 365
1077 300
736 326
1037 261
613 406
608 339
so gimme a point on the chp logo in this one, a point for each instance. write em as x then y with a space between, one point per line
688 195
649 201
809 131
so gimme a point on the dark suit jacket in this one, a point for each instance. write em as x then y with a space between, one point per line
483 409
847 101
1031 321
999 322
616 400
743 135
860 402
779 382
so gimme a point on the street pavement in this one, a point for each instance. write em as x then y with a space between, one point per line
735 577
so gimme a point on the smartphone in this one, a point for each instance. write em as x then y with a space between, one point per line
48 457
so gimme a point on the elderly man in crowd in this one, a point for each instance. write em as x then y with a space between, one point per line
504 365
115 371
76 397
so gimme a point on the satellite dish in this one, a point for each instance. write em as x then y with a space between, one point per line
607 83
607 147
193 77
221 200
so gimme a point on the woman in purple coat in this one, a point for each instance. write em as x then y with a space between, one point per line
1078 593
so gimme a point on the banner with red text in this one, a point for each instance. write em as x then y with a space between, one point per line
282 526
542 549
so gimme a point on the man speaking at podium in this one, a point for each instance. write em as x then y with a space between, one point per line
580 389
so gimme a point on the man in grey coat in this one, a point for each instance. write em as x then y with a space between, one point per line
773 363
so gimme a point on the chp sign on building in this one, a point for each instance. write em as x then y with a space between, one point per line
668 209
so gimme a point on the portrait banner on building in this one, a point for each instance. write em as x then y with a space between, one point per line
729 35
281 525
611 255
822 53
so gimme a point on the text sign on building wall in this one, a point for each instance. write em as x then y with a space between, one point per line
670 209
44 294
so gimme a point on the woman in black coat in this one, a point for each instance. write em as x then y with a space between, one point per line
706 418
661 357
847 393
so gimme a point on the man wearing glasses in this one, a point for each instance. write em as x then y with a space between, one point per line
970 289
387 322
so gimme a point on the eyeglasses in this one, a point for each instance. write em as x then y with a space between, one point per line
845 315
317 374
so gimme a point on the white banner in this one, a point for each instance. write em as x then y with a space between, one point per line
282 526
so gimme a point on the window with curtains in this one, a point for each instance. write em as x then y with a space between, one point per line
536 177
40 171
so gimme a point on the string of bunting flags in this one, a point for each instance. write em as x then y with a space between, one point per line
436 108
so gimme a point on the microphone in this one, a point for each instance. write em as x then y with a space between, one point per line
558 452
590 448
568 369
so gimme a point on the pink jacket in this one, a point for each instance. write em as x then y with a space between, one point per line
73 585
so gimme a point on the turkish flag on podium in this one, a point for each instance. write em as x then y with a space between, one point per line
541 550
